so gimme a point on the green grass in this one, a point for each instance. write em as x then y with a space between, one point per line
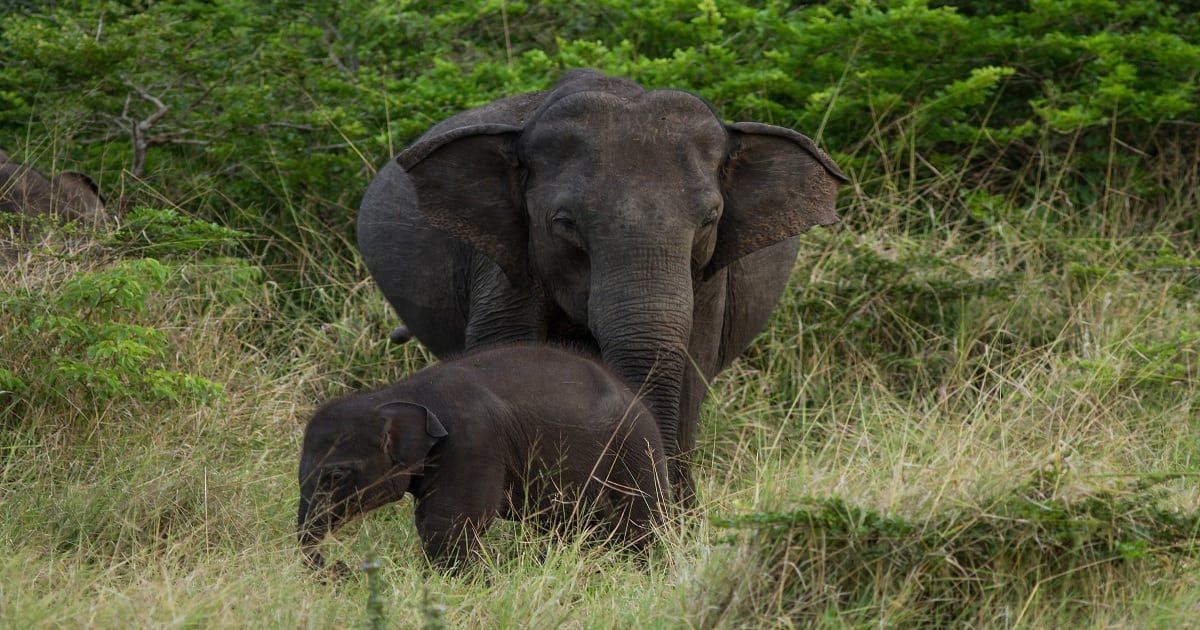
909 376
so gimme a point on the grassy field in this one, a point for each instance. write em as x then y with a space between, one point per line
919 377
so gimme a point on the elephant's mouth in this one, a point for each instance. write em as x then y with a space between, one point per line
311 530
562 327
318 516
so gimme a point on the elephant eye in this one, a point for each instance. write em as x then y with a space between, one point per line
713 215
563 222
337 475
564 227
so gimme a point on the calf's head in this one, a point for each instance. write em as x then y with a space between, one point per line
358 454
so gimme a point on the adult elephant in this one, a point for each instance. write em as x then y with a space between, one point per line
631 221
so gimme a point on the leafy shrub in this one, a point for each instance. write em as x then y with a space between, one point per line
165 232
84 349
103 334
1146 365
274 113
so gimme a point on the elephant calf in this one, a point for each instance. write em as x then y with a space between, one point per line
519 432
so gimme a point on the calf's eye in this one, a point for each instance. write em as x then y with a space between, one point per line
337 475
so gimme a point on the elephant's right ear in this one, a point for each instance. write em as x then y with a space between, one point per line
468 184
409 432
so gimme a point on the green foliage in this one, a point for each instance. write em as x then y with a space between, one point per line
1143 366
87 349
162 232
97 337
941 566
284 108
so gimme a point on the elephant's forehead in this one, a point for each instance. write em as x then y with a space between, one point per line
659 121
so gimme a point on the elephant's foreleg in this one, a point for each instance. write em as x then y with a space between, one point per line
639 505
498 312
449 541
457 510
704 349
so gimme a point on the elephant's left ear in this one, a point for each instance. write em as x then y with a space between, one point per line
778 184
410 431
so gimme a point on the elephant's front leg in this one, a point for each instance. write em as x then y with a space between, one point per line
456 511
449 540
704 348
498 312
450 533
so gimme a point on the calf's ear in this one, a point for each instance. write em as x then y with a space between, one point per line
410 431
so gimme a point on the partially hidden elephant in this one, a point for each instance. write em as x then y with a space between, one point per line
69 195
530 432
630 221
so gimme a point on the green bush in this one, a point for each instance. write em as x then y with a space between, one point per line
276 112
164 232
102 334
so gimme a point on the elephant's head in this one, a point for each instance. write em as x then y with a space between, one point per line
358 454
616 201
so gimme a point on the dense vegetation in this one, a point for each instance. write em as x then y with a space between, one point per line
978 402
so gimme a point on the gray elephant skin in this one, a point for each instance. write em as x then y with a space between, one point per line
527 432
630 221
68 195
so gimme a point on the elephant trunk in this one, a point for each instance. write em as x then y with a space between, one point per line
316 518
321 511
641 317
311 528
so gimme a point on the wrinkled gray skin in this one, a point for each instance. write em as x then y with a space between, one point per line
632 222
521 432
68 195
